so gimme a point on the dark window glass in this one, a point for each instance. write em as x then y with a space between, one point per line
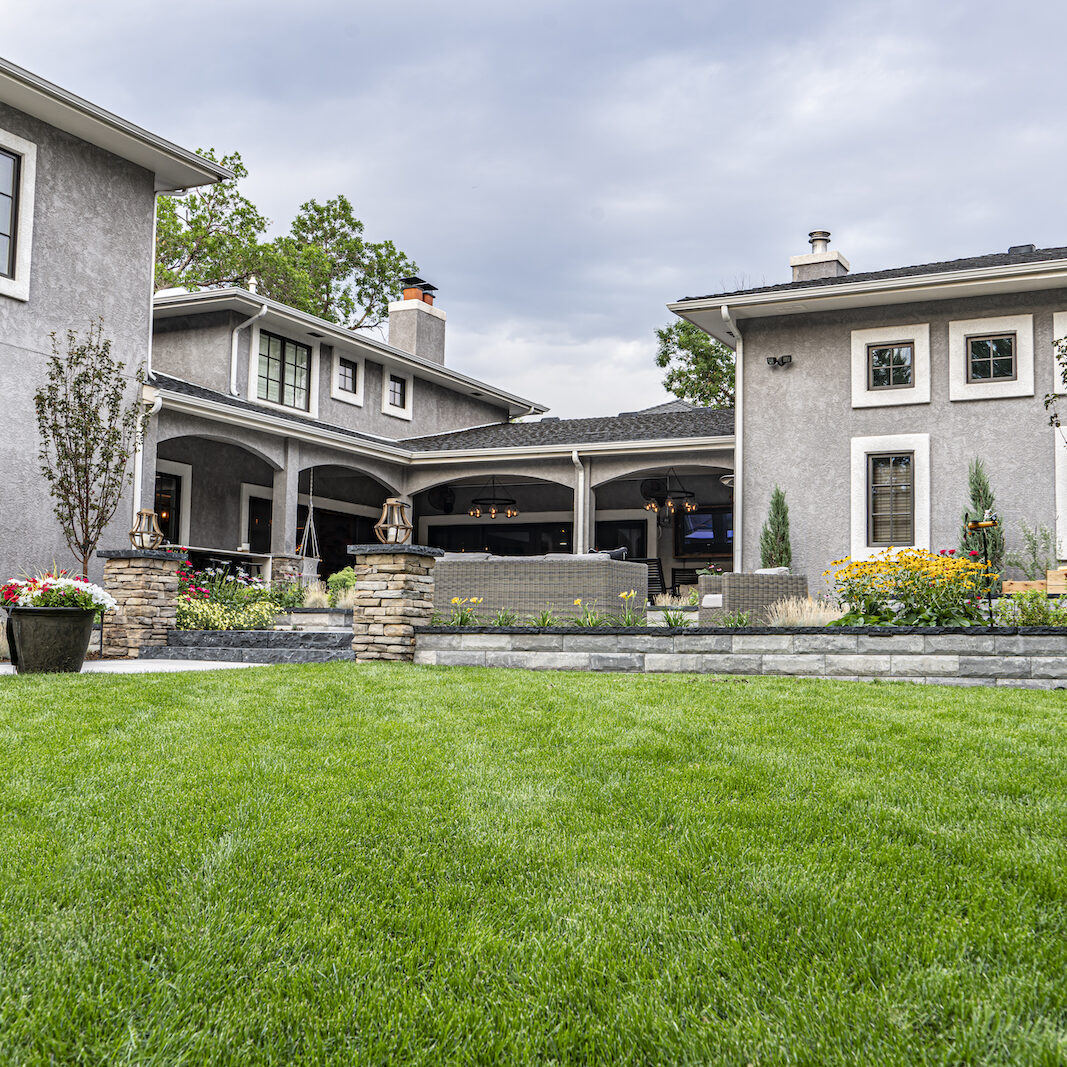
284 371
9 205
706 532
991 358
510 539
259 516
347 375
631 534
398 391
890 366
890 499
168 506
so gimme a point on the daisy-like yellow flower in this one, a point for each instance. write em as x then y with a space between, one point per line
577 602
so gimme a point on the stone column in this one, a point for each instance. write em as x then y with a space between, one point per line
145 584
286 570
394 594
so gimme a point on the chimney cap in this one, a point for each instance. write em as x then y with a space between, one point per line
819 240
415 282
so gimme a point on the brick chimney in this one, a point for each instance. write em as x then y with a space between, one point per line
415 325
820 262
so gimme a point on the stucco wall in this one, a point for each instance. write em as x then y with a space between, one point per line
799 422
196 348
91 258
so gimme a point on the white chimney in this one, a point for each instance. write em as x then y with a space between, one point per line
415 325
820 262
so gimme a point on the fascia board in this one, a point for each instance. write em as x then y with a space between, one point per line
241 300
946 285
174 167
267 423
672 444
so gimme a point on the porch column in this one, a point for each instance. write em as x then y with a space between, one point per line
582 506
283 510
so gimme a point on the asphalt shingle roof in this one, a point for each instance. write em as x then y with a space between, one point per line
638 426
999 259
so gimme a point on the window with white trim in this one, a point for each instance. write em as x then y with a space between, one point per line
18 169
284 371
890 499
347 375
396 394
991 359
891 365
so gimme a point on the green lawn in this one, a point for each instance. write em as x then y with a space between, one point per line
340 864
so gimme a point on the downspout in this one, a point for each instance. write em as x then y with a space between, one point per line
138 461
579 506
739 437
233 347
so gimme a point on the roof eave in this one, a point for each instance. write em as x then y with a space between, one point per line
175 168
565 448
706 312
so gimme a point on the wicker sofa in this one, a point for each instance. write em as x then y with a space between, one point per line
750 593
529 584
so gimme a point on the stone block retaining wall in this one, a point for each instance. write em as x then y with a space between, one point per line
1031 657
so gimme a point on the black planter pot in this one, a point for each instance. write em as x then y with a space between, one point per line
49 640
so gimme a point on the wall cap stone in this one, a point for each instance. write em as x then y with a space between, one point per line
671 631
140 553
394 550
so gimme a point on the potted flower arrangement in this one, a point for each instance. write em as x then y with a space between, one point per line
50 620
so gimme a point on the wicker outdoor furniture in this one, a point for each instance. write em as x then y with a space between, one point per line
750 593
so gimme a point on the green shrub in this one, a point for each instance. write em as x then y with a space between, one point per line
340 581
1031 608
214 615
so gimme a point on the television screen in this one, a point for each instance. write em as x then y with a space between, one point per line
705 532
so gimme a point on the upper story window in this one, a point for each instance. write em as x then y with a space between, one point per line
890 499
18 170
991 358
398 391
891 366
284 371
348 375
9 211
396 394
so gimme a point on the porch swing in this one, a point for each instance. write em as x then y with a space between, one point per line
308 549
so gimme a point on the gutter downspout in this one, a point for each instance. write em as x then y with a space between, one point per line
739 437
138 462
579 505
233 347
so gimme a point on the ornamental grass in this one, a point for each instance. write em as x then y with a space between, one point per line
912 587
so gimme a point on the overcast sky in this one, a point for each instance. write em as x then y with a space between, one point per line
561 170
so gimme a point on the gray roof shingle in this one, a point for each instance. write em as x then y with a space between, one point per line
638 426
999 259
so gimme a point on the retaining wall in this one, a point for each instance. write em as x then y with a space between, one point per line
1029 657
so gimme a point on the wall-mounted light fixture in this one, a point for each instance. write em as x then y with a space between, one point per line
779 361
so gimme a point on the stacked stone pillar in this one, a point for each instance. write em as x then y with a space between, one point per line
286 570
145 584
394 594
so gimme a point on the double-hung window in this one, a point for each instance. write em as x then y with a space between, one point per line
284 371
891 366
398 391
10 165
348 375
891 499
991 358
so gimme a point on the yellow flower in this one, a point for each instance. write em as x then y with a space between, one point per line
477 599
456 600
577 601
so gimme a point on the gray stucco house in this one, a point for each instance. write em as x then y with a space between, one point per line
78 189
264 413
866 396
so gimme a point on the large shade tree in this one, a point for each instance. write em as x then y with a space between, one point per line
699 368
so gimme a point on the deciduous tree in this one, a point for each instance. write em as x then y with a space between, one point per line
699 369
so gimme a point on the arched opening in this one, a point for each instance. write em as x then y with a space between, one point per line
543 523
345 503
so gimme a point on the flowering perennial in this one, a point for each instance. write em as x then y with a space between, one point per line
55 589
911 587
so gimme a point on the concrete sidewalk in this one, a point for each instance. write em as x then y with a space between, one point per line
149 666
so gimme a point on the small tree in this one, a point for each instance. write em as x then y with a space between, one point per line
774 547
88 430
982 500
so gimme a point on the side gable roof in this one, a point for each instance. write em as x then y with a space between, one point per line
174 168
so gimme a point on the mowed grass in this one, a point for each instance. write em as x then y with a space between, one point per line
340 864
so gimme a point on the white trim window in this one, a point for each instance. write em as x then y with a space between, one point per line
346 379
18 178
990 359
891 366
396 393
890 493
283 373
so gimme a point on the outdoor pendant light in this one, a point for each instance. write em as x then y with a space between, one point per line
394 527
494 502
146 533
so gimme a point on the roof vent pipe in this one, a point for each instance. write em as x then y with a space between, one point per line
819 241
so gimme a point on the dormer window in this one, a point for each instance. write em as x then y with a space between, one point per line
284 371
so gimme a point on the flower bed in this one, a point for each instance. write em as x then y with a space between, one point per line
217 598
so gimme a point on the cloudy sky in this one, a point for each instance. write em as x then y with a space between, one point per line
561 169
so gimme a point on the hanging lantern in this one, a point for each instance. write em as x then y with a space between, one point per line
146 533
393 528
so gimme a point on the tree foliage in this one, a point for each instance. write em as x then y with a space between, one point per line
213 237
89 427
209 237
981 501
775 549
699 369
